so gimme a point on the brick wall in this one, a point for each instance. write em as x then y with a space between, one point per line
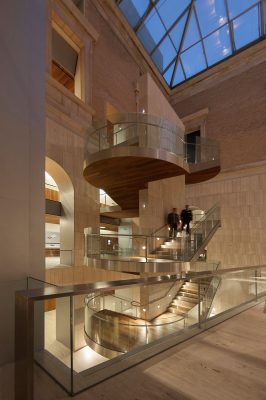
237 117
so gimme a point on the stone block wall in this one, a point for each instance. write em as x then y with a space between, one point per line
242 196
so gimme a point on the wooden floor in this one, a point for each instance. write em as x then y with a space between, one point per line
227 362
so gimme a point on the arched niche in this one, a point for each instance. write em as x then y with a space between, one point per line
66 191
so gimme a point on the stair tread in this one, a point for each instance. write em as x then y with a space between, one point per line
175 311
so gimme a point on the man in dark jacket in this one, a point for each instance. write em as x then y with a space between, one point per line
173 221
186 218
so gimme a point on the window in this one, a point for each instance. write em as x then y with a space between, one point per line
64 62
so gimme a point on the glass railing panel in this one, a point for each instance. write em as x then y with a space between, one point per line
83 334
231 290
53 339
149 131
155 246
112 246
260 277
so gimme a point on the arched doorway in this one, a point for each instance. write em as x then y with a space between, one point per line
59 216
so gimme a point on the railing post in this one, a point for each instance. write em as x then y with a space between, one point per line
199 308
256 285
71 345
24 347
146 248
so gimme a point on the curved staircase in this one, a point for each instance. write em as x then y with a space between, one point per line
136 149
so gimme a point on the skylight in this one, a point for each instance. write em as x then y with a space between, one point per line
185 37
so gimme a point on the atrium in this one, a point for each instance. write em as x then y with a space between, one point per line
133 194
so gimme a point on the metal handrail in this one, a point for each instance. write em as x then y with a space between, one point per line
25 322
134 301
163 126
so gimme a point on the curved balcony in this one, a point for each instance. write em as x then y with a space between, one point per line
123 156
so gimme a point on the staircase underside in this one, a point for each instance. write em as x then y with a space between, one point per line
123 171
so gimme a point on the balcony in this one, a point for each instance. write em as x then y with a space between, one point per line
134 149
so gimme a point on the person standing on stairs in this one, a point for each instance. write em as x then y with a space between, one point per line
173 222
186 218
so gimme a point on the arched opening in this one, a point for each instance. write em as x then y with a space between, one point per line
59 222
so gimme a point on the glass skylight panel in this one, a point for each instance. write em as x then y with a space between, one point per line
217 45
193 60
170 10
177 32
162 28
168 74
238 6
133 10
192 34
151 32
211 15
246 28
164 54
179 75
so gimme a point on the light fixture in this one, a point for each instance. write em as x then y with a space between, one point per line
144 309
143 247
102 227
143 111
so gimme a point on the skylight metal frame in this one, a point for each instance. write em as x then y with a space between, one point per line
260 5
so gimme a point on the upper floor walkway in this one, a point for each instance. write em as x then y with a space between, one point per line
134 149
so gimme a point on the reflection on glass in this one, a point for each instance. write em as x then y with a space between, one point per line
246 28
193 60
192 34
170 10
164 54
151 32
211 15
217 45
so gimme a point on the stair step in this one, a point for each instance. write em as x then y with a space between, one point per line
195 285
187 299
177 311
194 291
202 282
188 294
181 307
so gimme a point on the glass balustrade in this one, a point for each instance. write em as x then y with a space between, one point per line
90 332
147 131
157 245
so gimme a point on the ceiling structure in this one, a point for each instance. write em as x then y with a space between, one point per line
186 37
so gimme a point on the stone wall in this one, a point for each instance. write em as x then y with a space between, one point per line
22 130
242 197
237 119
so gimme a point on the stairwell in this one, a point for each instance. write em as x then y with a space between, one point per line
188 297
